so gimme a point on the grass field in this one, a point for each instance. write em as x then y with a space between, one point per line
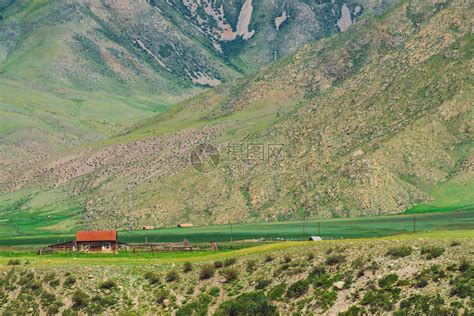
169 282
360 227
70 259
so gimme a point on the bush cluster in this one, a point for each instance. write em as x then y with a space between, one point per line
252 303
432 252
297 289
152 277
399 252
172 276
207 272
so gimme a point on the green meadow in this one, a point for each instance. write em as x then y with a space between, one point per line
342 228
242 250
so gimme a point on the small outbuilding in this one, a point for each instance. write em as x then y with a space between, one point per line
315 238
185 225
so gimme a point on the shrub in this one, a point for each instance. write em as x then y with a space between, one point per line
161 295
49 277
80 300
277 291
198 307
358 263
218 264
403 282
317 271
13 262
435 272
262 284
347 281
399 252
418 304
463 285
297 289
354 310
323 281
284 267
69 281
229 261
99 303
431 252
54 308
455 243
214 291
108 285
171 276
54 283
251 264
152 277
388 280
187 267
27 277
464 265
325 299
252 303
229 274
422 281
34 286
268 258
380 299
333 260
206 272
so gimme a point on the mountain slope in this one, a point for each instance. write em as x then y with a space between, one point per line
372 121
72 72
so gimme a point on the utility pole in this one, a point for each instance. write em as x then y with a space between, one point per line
130 207
305 221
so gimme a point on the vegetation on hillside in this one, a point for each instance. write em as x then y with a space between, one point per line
372 121
300 278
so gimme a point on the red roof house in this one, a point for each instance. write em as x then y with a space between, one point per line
91 241
96 235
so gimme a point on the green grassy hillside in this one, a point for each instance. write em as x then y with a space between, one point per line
73 72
